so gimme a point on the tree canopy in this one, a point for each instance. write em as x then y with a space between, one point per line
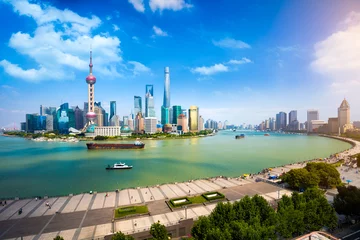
314 174
158 231
347 201
121 236
254 219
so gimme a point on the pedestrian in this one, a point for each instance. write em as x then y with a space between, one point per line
5 202
36 199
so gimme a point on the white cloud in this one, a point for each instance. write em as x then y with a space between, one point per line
108 17
210 70
135 38
115 28
174 5
138 5
60 45
288 48
337 57
238 62
159 32
139 67
231 43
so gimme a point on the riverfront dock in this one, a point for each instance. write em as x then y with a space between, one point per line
90 216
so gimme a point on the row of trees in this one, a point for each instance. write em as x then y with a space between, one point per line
157 231
314 174
253 218
347 201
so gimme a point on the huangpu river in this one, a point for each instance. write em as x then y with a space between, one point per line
29 168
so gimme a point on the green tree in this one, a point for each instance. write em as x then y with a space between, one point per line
218 234
222 214
347 201
201 227
121 236
328 174
58 238
158 231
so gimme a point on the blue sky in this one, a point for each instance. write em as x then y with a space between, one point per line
241 61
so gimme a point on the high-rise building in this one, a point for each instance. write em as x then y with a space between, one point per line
99 120
149 89
193 119
176 111
125 121
312 115
292 116
91 80
131 124
220 126
150 125
182 123
165 109
166 102
184 111
79 122
267 124
201 124
139 123
226 123
149 105
112 109
115 121
280 121
165 118
137 105
344 116
49 122
333 125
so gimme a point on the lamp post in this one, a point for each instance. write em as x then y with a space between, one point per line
185 207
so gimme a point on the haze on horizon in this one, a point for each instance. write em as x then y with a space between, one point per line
241 61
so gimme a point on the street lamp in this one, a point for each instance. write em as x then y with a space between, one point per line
185 207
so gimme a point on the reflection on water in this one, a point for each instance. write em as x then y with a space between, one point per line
29 168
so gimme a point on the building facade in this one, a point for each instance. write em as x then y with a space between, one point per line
344 116
312 115
137 105
201 123
139 123
109 131
193 119
314 125
176 111
165 109
150 125
112 109
182 123
333 125
165 118
281 121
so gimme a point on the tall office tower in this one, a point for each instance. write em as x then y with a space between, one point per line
79 123
280 121
226 123
149 105
201 124
184 111
149 88
193 119
292 116
176 111
150 125
267 124
344 116
139 123
312 115
112 109
137 105
91 80
44 110
182 123
165 117
149 101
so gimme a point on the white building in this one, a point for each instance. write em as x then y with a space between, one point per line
150 125
315 124
109 131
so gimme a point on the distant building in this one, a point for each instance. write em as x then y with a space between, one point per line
312 115
115 121
139 123
79 118
150 125
182 123
99 120
34 123
281 121
112 109
125 120
344 116
165 108
226 123
220 126
165 118
137 105
193 119
356 124
315 124
149 105
63 122
176 111
23 126
131 124
109 131
49 122
201 123
333 125
184 111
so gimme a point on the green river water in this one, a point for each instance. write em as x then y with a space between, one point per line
29 168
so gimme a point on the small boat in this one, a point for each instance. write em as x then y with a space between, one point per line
118 166
266 134
240 136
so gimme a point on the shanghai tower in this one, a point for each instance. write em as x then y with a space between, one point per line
165 117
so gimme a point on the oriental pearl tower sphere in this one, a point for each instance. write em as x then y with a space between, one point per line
91 80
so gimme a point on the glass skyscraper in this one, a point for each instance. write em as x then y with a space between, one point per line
112 109
149 101
166 102
149 89
165 119
193 119
176 112
137 105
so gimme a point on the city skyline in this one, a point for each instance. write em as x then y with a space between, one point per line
246 75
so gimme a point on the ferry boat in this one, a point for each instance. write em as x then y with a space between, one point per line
135 145
117 166
240 136
266 134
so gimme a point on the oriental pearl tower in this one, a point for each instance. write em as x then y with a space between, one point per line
91 80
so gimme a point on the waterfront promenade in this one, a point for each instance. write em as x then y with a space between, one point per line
89 216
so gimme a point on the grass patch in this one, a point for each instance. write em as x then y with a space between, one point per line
197 199
173 204
218 196
125 211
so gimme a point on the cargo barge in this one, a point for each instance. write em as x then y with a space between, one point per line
135 145
240 136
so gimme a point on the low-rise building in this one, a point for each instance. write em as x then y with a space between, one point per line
315 124
108 131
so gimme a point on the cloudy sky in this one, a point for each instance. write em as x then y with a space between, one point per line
241 61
